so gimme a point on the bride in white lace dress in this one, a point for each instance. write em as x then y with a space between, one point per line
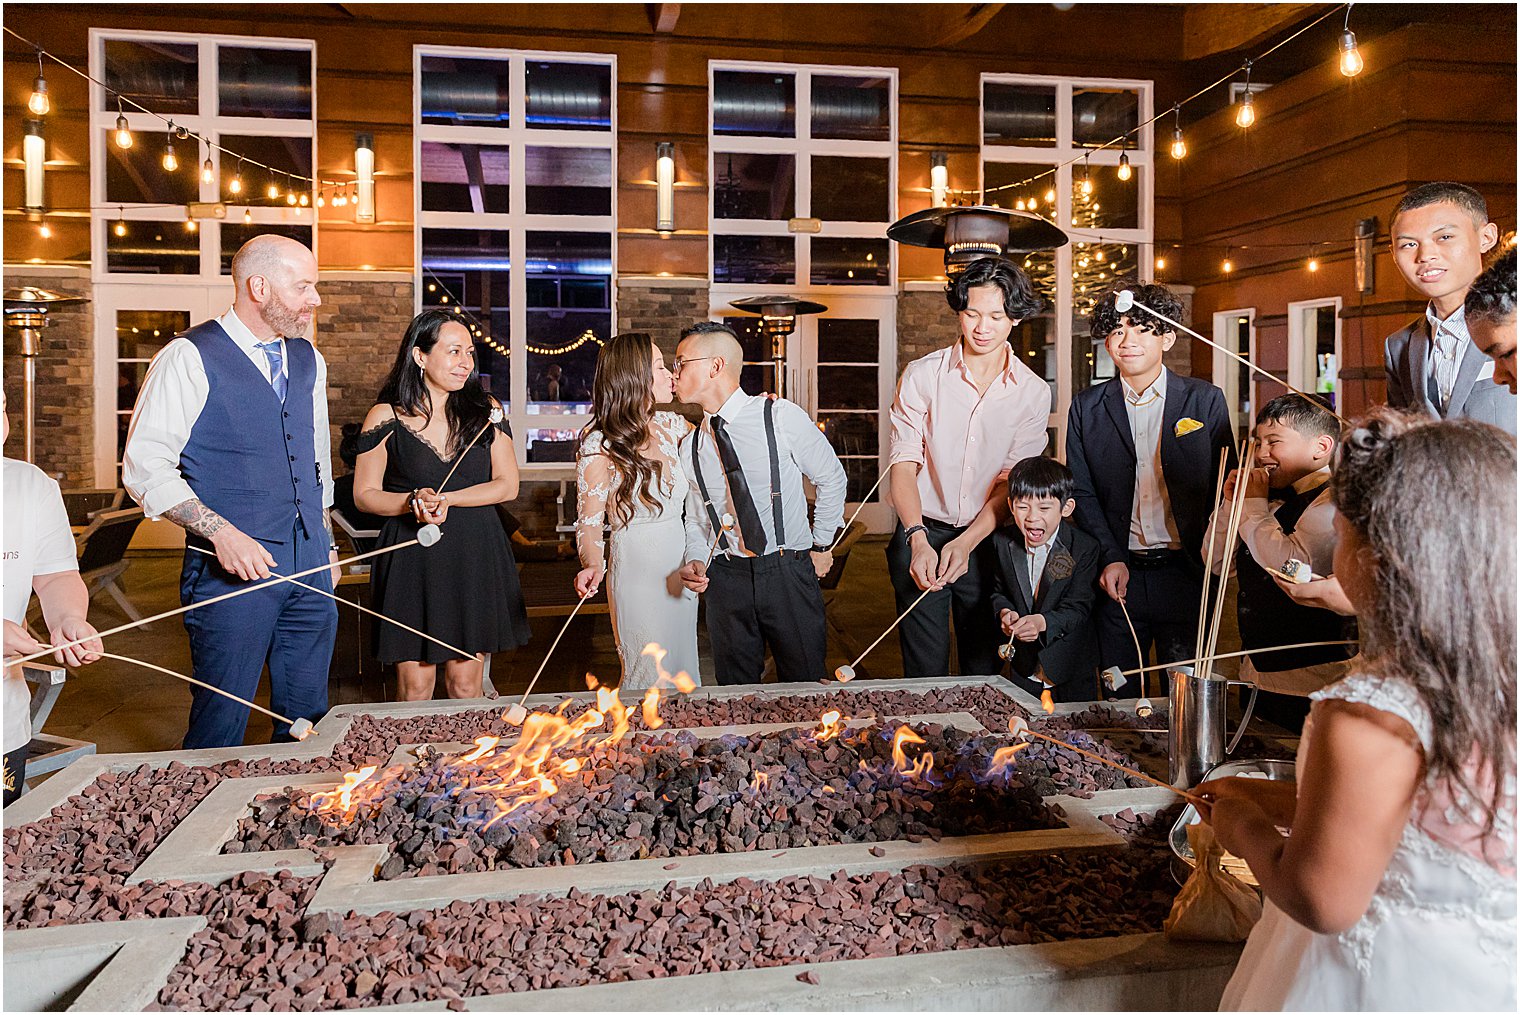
629 480
1395 888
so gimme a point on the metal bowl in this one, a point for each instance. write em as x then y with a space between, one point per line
1184 863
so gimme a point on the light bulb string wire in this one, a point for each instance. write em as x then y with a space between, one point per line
1173 108
170 125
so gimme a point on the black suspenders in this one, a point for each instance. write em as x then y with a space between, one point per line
776 513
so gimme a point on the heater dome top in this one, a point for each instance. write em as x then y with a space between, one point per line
29 294
778 305
1015 231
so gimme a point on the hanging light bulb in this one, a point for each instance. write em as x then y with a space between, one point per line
305 199
1160 263
45 231
321 198
1124 170
340 197
1018 205
39 104
170 160
1246 114
123 133
273 190
1086 180
1179 146
235 185
1313 264
290 193
247 216
120 229
1228 265
1351 57
208 171
191 225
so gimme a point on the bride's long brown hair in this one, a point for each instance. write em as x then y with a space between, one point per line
621 408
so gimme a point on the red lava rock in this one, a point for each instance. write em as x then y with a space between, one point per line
878 851
808 976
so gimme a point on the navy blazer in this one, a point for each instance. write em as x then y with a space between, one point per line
1100 451
1067 650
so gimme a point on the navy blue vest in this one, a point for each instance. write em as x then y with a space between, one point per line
250 459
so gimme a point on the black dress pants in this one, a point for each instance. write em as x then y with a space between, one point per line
924 634
1163 604
755 602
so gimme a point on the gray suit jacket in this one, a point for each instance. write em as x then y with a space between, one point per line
1407 361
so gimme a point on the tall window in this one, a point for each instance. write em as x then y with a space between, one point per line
1031 124
254 96
804 175
516 157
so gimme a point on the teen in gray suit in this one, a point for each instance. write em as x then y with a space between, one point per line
1440 233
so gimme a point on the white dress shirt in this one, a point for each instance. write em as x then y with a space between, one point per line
171 400
37 542
1312 541
1449 339
965 440
1036 559
801 450
1150 525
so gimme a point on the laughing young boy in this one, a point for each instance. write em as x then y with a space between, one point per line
1288 514
1042 589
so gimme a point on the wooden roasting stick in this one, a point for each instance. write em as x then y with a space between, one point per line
1020 728
1232 532
299 728
372 613
426 536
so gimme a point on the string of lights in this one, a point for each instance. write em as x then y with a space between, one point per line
39 104
446 297
1351 64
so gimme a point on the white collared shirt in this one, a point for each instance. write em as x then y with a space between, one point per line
801 450
1312 541
1449 339
1037 558
171 400
1150 525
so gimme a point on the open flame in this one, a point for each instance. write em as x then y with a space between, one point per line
341 799
830 725
1002 759
532 767
1047 702
900 762
652 720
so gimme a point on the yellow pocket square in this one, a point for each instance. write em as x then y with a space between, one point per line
1187 425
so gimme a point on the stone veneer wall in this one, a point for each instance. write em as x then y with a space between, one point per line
661 307
359 328
65 423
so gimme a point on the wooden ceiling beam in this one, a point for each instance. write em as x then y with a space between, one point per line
1209 29
662 17
974 20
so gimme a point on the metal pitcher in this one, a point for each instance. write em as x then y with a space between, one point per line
1195 741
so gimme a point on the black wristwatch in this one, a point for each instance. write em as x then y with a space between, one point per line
908 533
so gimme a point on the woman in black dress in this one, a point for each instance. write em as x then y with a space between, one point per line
463 589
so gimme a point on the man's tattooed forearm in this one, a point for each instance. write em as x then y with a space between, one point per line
195 517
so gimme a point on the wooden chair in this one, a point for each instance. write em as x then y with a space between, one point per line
47 753
83 505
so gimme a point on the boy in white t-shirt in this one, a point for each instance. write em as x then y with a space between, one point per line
39 556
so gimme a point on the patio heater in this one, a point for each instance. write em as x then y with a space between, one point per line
975 231
26 313
778 319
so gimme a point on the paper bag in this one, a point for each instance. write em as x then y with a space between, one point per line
1214 905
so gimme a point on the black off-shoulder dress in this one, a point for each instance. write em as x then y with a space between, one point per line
462 589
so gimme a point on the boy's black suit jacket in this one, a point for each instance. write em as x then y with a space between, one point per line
1067 650
1100 450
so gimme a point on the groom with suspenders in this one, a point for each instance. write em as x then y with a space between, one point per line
747 459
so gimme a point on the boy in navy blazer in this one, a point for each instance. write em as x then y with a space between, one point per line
1144 448
1043 588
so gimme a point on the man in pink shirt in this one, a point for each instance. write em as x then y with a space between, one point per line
963 417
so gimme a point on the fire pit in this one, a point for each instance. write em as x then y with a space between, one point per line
872 845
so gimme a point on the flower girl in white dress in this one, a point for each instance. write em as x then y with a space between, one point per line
629 480
1395 888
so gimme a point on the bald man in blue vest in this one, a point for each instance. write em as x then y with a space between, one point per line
229 440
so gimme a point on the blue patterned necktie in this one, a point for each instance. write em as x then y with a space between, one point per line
276 358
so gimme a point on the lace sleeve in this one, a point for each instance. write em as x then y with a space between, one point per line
594 480
1386 695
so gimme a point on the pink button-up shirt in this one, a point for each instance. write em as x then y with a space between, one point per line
965 442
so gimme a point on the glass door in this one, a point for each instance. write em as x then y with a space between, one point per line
841 366
132 323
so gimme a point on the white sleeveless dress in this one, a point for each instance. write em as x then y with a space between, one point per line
649 603
1440 932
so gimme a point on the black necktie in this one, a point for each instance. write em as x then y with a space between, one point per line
749 518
